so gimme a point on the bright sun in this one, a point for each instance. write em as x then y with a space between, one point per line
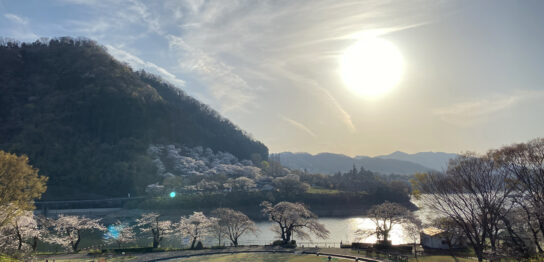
371 67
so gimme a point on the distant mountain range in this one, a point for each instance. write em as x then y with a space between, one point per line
434 160
395 163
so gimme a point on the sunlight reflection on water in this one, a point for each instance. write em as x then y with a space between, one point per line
341 230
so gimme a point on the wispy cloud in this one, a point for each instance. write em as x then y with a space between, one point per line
138 63
19 28
467 113
299 126
346 118
233 92
16 19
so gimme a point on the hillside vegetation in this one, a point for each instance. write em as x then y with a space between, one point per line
86 120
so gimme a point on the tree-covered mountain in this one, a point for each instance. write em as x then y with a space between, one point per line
328 163
86 120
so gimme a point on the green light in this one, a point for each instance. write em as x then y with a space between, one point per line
172 194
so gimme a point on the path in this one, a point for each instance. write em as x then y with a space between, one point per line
168 255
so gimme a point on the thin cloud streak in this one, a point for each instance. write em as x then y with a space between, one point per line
136 62
346 118
299 126
468 113
226 86
16 19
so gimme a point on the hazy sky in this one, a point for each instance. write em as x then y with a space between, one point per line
473 79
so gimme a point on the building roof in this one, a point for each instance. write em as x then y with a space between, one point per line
432 231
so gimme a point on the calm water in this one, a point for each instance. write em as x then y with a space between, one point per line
341 230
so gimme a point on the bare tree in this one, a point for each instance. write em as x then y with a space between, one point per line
233 223
196 226
150 222
66 230
525 163
474 194
293 218
451 232
413 228
218 230
385 216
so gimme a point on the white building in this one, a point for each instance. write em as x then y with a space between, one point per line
432 237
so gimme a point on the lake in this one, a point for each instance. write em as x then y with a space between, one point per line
341 230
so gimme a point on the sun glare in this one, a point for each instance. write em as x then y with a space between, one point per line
371 67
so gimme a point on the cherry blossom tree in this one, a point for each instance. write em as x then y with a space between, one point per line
26 229
150 222
120 233
66 230
293 218
196 226
233 224
242 184
385 216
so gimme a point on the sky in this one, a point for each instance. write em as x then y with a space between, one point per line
473 70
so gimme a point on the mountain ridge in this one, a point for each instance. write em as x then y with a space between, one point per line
434 160
397 162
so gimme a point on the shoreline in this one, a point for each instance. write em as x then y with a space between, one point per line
254 213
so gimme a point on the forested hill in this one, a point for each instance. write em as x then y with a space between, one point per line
86 120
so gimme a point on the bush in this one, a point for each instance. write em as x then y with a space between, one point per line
277 243
290 244
199 245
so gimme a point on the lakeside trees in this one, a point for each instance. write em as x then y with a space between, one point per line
120 233
195 226
66 230
232 224
20 233
484 195
149 222
524 162
385 216
293 218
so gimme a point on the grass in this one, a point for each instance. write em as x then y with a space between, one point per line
99 259
314 190
440 259
252 257
4 258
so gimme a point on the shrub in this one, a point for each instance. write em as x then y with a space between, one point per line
290 244
277 243
199 245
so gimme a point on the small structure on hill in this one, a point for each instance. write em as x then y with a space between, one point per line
432 237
